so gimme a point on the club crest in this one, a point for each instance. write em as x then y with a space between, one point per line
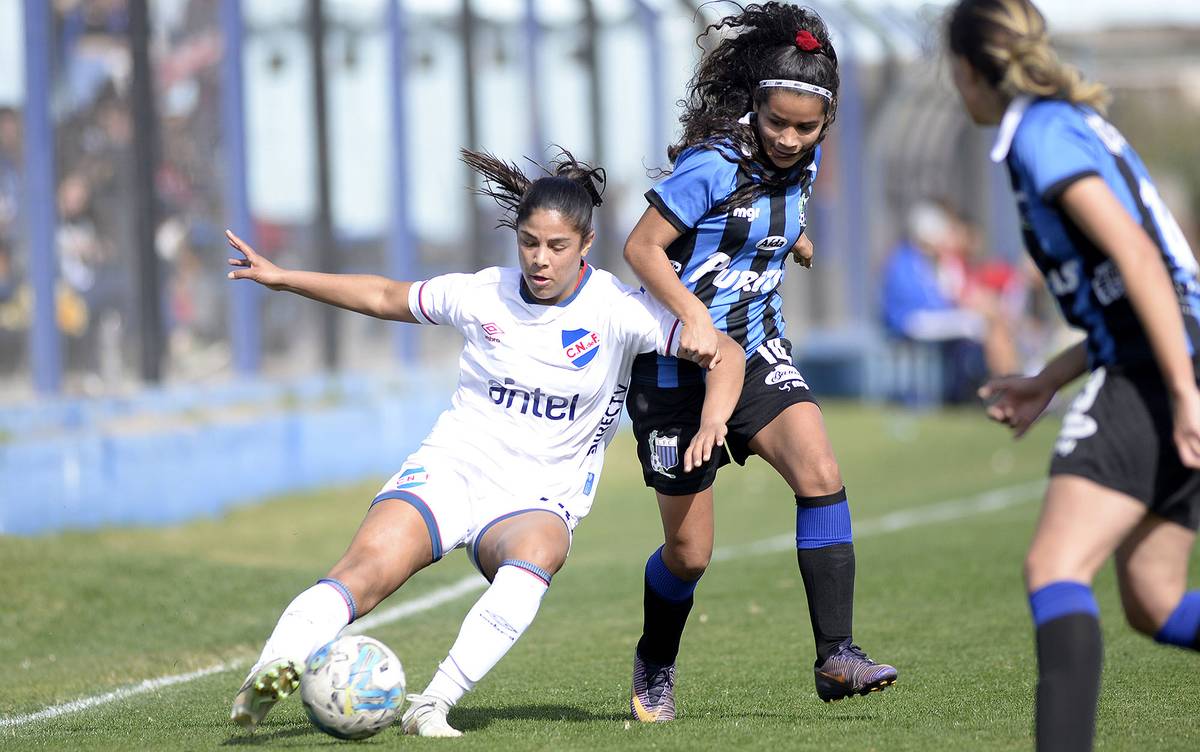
580 346
664 453
409 477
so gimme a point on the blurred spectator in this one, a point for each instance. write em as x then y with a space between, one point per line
10 171
930 297
11 318
986 285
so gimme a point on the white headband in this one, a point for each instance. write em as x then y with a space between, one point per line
783 83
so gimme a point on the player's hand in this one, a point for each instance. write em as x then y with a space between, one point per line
1186 409
707 439
1016 401
698 342
802 251
252 266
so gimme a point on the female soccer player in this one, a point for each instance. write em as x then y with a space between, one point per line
511 467
1123 477
712 247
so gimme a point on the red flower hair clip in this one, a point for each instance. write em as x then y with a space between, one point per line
806 41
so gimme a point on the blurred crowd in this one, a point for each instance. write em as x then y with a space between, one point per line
949 304
97 294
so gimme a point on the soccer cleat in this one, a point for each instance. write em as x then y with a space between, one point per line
653 696
267 684
426 716
848 671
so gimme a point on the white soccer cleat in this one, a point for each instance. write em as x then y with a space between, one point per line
267 684
426 716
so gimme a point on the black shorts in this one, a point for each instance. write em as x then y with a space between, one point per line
666 418
1118 433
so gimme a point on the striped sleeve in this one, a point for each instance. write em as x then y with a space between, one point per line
702 178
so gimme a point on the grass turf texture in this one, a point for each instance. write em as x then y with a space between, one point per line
86 613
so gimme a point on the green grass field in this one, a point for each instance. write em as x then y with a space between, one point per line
939 596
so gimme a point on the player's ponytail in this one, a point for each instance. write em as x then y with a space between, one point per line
570 187
1006 41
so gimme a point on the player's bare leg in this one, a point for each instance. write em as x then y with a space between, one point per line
1152 566
390 546
519 555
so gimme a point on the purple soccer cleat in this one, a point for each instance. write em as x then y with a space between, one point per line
653 698
848 671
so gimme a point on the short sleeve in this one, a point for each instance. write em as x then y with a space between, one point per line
1055 148
652 327
702 178
440 300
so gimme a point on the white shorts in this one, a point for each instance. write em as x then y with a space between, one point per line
459 503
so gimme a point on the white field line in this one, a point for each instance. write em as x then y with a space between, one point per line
149 685
387 616
989 501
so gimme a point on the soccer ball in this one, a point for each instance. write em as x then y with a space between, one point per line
352 687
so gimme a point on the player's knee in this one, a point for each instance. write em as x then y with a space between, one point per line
547 555
1139 619
1040 568
820 478
687 561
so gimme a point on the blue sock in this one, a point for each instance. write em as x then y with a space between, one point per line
1182 627
1061 599
664 582
823 521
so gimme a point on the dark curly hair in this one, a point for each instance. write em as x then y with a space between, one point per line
569 187
762 44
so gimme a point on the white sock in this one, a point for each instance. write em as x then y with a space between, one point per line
312 619
498 618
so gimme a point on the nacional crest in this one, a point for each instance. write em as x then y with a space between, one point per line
409 477
580 346
664 453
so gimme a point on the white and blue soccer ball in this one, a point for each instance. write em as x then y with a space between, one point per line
352 687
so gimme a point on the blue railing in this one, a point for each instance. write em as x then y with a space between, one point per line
165 456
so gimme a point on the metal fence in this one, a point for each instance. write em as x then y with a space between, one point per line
326 131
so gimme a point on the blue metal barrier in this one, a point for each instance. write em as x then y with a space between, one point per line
196 453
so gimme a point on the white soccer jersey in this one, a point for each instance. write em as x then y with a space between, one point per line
540 387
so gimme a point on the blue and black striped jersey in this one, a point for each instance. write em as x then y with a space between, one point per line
1049 144
732 258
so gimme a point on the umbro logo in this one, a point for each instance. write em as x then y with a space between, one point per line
491 332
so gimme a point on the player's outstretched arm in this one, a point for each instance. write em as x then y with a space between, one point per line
369 294
1101 216
723 387
645 250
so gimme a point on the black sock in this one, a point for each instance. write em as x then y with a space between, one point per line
666 605
1070 653
662 627
825 553
828 575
